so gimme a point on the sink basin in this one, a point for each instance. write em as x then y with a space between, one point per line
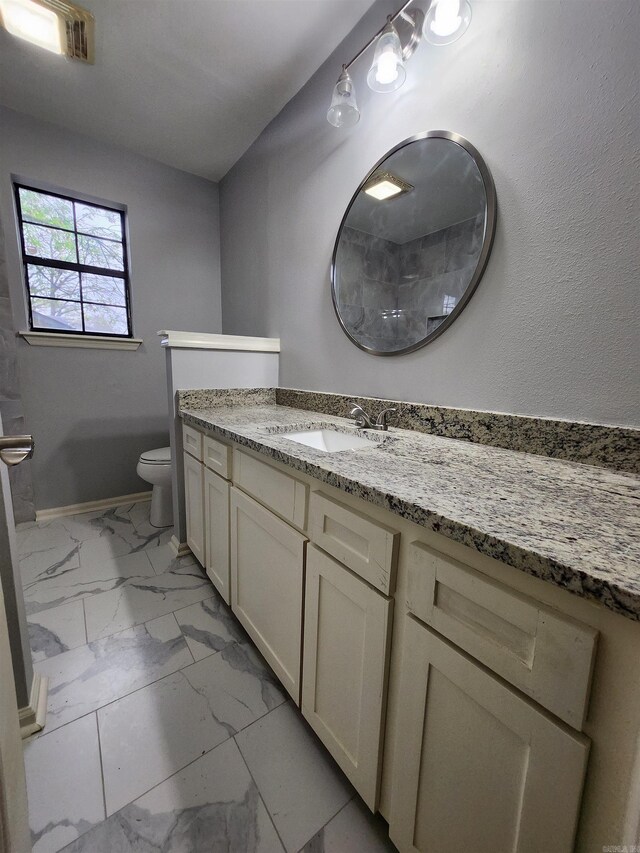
329 440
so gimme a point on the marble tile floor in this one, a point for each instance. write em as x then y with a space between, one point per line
166 731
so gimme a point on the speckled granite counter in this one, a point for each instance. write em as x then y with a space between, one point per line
573 525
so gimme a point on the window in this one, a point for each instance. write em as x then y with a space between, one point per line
75 264
448 304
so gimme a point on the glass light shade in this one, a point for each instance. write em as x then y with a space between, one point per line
387 72
33 22
446 21
343 111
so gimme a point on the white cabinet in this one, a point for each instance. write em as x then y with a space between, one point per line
267 584
366 546
192 441
216 513
194 506
282 493
540 651
478 766
346 645
217 456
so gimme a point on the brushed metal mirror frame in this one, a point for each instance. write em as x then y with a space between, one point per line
487 240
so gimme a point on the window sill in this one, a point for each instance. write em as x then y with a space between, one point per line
56 339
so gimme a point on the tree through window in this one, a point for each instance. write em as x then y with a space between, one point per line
75 261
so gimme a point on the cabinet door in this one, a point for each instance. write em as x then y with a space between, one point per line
346 644
477 766
194 506
267 581
216 513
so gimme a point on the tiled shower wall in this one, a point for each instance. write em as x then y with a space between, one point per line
10 402
391 292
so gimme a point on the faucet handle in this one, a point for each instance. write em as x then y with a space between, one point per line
381 420
361 418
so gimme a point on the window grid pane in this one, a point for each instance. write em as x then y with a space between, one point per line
104 289
75 261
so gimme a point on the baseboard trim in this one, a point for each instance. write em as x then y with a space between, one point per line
33 717
180 549
90 506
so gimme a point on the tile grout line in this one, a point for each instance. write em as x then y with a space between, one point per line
138 689
155 681
193 760
325 825
104 804
198 757
104 791
288 700
86 632
96 596
180 770
180 631
244 760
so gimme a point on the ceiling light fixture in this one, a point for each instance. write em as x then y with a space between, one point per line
446 21
385 185
54 25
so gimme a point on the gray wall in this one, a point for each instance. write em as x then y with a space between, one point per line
548 93
93 411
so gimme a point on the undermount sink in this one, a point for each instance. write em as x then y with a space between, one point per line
329 440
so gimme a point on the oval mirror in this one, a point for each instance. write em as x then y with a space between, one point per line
413 243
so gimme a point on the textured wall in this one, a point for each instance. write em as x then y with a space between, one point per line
92 412
548 93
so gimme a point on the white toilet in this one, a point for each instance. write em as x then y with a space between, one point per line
154 466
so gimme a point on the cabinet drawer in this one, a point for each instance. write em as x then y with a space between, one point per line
282 494
546 655
192 441
367 547
217 456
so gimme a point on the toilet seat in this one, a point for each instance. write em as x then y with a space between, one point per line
161 456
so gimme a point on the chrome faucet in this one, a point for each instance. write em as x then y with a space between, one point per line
364 421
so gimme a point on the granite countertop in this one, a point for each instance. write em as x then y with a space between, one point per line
573 525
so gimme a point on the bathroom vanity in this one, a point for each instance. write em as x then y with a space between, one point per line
459 624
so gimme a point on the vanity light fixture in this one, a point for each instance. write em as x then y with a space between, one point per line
54 25
343 111
396 42
386 185
387 72
446 21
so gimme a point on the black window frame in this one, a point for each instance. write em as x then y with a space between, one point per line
74 267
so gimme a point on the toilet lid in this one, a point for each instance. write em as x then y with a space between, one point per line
161 456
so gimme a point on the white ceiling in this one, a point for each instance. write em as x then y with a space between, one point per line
191 83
